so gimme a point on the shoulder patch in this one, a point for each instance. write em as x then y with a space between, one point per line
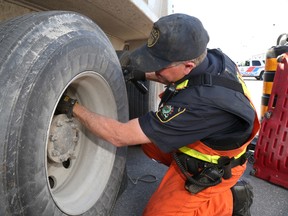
168 112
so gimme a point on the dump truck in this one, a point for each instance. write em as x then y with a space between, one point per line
50 164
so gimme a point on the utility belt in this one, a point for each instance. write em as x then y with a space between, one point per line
203 171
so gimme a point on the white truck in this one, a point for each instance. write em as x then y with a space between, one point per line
252 68
51 165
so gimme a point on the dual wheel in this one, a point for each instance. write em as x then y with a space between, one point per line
49 164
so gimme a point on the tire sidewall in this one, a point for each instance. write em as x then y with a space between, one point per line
32 113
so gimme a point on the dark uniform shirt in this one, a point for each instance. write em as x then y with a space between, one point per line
219 117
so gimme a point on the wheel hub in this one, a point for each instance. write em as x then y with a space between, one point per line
63 138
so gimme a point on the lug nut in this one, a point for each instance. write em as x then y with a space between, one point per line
55 153
62 158
53 138
59 124
75 139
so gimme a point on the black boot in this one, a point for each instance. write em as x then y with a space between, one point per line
242 198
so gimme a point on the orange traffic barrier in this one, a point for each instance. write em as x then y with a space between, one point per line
269 73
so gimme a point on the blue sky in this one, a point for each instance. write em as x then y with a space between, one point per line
240 28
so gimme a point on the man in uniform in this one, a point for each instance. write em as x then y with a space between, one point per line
202 128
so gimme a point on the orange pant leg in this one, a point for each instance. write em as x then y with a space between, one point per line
171 198
152 151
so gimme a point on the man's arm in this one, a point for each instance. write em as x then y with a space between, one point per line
151 76
113 131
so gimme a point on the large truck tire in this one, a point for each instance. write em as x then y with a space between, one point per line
51 165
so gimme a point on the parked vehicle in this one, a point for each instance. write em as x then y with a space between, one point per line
252 68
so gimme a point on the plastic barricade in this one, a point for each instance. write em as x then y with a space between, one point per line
271 151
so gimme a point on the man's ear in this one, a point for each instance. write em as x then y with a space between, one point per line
189 65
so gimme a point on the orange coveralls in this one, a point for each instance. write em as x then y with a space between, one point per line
171 198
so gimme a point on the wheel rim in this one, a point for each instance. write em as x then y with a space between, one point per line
78 164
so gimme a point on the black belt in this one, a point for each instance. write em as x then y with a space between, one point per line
201 174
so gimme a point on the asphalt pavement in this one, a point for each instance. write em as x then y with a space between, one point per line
144 176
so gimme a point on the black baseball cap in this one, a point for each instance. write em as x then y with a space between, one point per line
176 37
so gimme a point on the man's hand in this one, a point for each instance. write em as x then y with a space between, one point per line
65 106
131 74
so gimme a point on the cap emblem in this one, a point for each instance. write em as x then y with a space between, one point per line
153 38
